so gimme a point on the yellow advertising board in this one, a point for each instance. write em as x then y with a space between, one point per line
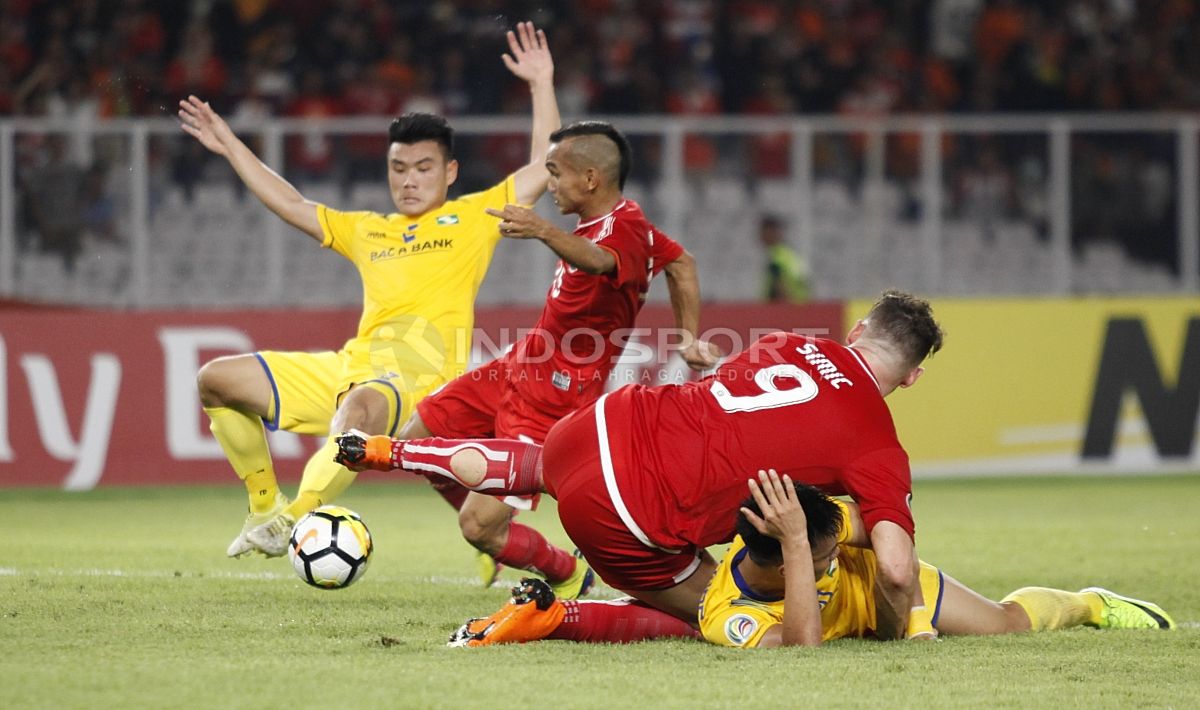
1056 385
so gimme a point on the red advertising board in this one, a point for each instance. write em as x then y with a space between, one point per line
93 398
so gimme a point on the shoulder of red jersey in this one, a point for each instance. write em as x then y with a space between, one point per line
627 214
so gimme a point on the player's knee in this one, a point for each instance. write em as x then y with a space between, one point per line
364 409
217 383
483 532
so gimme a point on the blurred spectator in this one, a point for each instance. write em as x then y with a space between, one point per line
54 194
786 273
616 56
985 192
310 154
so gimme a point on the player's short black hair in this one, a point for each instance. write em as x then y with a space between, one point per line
601 128
416 127
906 321
824 521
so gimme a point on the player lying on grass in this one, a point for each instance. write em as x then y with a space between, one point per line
763 593
646 478
421 269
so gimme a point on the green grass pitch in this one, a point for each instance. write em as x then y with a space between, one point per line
123 598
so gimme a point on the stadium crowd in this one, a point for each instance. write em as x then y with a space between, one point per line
81 60
340 57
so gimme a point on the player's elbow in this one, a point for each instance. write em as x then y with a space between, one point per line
897 578
684 265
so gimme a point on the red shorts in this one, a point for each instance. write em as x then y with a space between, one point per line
574 475
485 403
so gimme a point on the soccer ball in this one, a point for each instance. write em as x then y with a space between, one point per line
330 547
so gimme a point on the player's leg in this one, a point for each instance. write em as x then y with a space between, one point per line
491 466
963 611
305 393
487 523
534 613
683 599
1050 609
238 394
374 406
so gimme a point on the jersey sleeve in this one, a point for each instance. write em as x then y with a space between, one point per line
631 248
663 250
881 483
741 625
495 197
339 229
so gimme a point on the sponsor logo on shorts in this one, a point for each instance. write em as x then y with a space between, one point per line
740 628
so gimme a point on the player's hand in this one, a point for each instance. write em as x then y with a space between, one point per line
701 355
203 124
782 517
530 59
518 222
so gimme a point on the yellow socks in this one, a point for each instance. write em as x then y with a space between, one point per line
324 480
244 442
1050 609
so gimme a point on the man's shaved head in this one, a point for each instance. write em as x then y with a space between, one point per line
595 144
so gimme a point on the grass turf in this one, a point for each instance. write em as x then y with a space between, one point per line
123 598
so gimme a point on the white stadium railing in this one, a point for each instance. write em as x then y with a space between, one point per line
861 217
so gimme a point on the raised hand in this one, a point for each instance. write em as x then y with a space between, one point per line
205 125
782 516
530 59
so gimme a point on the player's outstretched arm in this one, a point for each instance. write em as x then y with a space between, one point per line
895 579
530 60
204 124
683 284
783 519
518 222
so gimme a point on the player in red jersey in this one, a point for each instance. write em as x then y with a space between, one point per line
599 286
648 477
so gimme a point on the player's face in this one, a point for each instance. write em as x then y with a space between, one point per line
419 176
823 552
568 186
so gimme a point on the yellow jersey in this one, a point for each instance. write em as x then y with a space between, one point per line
420 278
732 614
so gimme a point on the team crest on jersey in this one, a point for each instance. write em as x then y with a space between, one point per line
447 219
740 628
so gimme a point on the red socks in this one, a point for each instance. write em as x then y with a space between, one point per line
527 549
618 621
512 467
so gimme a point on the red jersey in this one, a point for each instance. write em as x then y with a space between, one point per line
680 455
572 349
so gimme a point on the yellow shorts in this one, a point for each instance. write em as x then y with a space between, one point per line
308 387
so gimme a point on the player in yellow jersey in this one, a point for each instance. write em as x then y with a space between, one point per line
763 594
421 269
